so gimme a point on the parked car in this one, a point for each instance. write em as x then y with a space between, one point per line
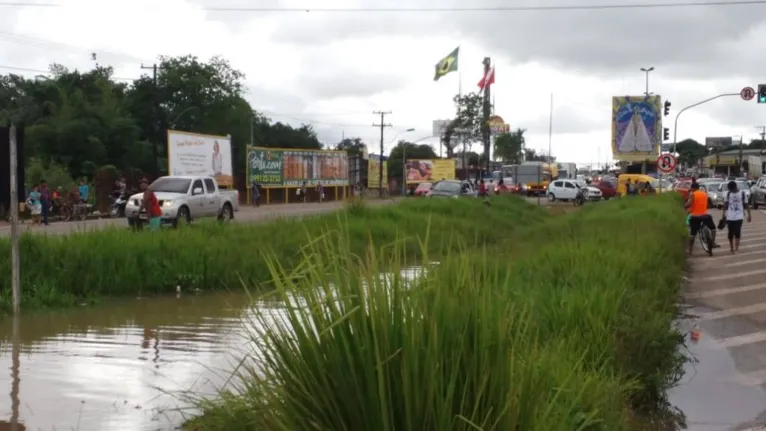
183 199
592 193
758 192
607 187
566 190
452 189
714 192
422 189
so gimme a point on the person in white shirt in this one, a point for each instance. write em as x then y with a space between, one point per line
735 206
217 160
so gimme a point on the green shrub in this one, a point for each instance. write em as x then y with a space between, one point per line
575 333
66 270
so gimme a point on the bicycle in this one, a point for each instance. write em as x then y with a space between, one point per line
705 237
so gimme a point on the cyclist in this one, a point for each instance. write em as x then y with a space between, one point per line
697 207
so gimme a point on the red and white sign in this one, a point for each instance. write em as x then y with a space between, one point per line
747 93
488 79
666 163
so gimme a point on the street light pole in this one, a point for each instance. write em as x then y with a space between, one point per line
702 102
646 71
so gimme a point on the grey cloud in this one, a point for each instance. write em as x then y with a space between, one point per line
344 83
566 119
697 39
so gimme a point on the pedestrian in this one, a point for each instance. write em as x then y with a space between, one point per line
303 192
45 202
33 201
151 204
734 207
83 189
320 192
482 189
255 193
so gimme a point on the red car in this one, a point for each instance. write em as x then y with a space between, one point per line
608 188
422 189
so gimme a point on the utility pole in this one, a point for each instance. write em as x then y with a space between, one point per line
382 126
486 113
762 133
157 120
15 258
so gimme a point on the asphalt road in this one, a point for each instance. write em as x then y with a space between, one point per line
728 295
246 214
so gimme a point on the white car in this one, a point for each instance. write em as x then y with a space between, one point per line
566 190
184 198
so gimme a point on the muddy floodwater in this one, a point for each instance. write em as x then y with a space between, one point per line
119 366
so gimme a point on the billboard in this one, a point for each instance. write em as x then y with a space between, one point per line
424 171
291 167
636 128
203 155
373 173
723 142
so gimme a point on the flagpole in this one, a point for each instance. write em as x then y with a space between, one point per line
550 130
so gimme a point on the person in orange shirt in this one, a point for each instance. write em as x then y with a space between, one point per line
697 207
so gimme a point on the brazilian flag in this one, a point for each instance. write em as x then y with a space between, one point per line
447 64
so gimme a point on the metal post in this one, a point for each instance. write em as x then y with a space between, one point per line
404 170
675 123
15 262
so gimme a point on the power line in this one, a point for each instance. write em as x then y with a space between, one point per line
495 9
48 72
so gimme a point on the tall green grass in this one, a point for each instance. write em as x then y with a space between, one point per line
67 270
574 333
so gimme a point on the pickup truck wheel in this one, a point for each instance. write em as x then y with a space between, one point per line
183 216
227 213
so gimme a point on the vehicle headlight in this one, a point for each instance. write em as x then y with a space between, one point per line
167 204
454 197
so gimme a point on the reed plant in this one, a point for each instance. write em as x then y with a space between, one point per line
80 268
575 332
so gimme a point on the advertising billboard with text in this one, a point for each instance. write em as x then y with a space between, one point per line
283 167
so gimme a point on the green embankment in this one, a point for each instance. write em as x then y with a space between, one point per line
61 271
563 325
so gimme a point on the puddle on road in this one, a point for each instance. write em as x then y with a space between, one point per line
121 366
709 394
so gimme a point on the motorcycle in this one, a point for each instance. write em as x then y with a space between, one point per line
118 206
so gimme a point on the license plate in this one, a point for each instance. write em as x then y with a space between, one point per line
143 216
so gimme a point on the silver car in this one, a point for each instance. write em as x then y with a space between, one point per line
723 189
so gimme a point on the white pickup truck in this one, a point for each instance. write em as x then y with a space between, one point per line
183 199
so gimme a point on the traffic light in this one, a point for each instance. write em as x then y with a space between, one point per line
667 107
761 93
665 134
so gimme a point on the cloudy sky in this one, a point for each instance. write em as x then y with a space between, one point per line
332 69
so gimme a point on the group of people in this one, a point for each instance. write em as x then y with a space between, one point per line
634 188
736 209
41 201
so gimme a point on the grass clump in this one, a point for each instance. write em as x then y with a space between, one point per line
67 270
575 334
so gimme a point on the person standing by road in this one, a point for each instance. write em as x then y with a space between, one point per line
45 201
152 206
84 190
734 207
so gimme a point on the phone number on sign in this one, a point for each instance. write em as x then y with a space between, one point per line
268 179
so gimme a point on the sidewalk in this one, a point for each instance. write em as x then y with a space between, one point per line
726 389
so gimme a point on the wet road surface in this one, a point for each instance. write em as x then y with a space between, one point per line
726 388
246 214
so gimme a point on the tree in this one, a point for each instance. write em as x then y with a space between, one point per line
531 155
465 128
690 152
86 121
410 151
352 146
509 147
